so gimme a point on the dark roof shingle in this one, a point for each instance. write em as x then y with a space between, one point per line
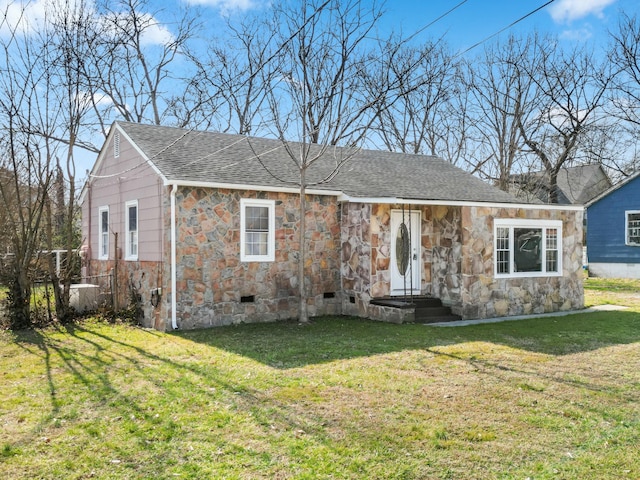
211 157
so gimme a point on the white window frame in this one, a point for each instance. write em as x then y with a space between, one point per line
627 238
271 233
131 248
103 237
543 225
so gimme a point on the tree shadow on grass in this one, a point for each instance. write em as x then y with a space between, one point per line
286 345
103 366
101 362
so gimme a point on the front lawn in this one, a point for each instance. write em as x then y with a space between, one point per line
342 398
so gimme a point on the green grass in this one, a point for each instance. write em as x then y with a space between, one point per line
342 398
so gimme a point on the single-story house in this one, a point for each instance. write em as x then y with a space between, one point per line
575 185
202 228
613 231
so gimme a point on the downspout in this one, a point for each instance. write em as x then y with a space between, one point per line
87 271
174 282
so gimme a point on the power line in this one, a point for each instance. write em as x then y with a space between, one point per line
417 32
422 29
292 36
503 29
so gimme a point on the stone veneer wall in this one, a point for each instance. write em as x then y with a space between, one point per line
446 268
356 248
366 258
484 296
366 249
457 260
214 286
133 278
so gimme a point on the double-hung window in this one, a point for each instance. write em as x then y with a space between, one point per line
131 230
103 238
633 227
257 230
527 248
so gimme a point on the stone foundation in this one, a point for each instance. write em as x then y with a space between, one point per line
136 282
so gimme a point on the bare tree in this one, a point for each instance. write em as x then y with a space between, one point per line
233 77
66 34
569 93
624 55
316 95
428 113
43 105
130 68
500 95
26 159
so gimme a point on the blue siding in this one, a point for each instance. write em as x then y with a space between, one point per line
606 226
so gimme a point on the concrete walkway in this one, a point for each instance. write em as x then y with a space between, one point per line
462 323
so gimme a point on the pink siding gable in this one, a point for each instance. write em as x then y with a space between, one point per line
120 180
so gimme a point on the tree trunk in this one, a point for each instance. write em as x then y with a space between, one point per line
303 313
20 292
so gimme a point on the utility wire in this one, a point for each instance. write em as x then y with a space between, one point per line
292 36
417 32
503 29
422 29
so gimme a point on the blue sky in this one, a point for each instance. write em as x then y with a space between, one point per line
475 20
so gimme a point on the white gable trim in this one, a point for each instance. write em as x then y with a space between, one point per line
115 127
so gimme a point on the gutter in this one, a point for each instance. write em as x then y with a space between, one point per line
174 320
248 187
456 203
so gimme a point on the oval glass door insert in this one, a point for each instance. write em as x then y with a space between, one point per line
402 248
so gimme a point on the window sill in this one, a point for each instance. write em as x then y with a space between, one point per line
527 275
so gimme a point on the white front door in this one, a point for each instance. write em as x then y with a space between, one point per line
405 252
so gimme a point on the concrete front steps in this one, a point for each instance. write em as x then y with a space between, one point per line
427 309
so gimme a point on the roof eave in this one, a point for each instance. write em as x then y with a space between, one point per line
454 203
246 187
612 189
345 198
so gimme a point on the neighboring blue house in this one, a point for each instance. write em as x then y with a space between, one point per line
613 231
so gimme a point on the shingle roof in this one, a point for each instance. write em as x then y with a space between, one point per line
211 157
613 188
576 185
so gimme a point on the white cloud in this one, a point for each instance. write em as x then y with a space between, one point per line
26 17
227 5
21 17
569 10
155 33
578 34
